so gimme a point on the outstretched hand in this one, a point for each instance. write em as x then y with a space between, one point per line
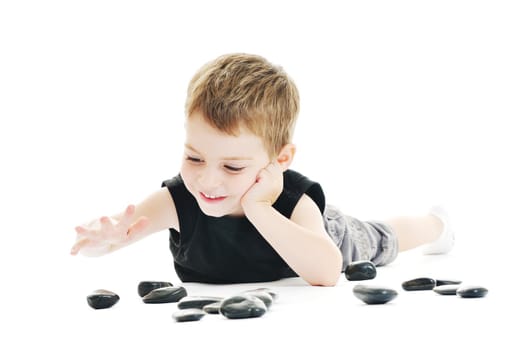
108 234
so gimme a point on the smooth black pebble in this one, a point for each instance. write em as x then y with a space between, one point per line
213 308
262 295
271 292
472 291
187 315
102 299
242 306
423 283
146 287
374 294
443 282
446 289
196 302
165 295
360 271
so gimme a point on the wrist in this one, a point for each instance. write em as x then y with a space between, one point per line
254 210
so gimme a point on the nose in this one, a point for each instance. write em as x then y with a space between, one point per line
209 178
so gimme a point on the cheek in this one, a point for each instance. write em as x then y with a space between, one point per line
186 173
244 182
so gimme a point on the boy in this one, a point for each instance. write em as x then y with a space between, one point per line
236 213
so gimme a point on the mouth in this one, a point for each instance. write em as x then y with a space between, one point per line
211 198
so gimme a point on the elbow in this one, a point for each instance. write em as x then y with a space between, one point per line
325 282
331 276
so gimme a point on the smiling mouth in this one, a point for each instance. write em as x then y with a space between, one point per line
210 198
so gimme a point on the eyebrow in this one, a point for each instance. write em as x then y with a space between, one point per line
223 158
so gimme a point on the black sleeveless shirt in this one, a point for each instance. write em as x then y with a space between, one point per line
229 249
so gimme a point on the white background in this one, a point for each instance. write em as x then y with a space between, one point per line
404 104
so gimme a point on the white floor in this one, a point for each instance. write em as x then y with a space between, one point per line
51 309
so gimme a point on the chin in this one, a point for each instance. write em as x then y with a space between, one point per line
217 212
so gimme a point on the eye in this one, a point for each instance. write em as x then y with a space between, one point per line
234 168
193 159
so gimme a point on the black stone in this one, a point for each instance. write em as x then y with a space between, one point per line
423 283
472 292
213 308
165 295
196 302
445 282
146 287
187 315
102 299
262 295
360 270
374 294
242 306
271 292
446 289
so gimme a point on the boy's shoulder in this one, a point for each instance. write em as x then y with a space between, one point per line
295 186
177 189
174 184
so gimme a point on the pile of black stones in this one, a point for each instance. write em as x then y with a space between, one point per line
256 302
247 304
370 294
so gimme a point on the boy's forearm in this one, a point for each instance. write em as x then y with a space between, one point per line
314 258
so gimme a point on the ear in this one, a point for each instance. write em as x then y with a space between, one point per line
286 155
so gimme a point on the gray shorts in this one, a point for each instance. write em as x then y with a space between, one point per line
360 240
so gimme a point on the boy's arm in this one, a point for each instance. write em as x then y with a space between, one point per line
302 240
107 234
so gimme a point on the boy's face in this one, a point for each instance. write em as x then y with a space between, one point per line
218 168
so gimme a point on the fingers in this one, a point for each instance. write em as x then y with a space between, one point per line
263 172
126 219
106 224
84 232
272 171
129 211
273 167
139 226
97 229
78 246
109 230
81 230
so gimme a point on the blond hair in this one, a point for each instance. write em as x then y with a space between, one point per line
242 90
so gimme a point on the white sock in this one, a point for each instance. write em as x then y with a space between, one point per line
445 242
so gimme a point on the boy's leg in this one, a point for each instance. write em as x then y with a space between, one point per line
414 231
431 231
380 241
360 240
